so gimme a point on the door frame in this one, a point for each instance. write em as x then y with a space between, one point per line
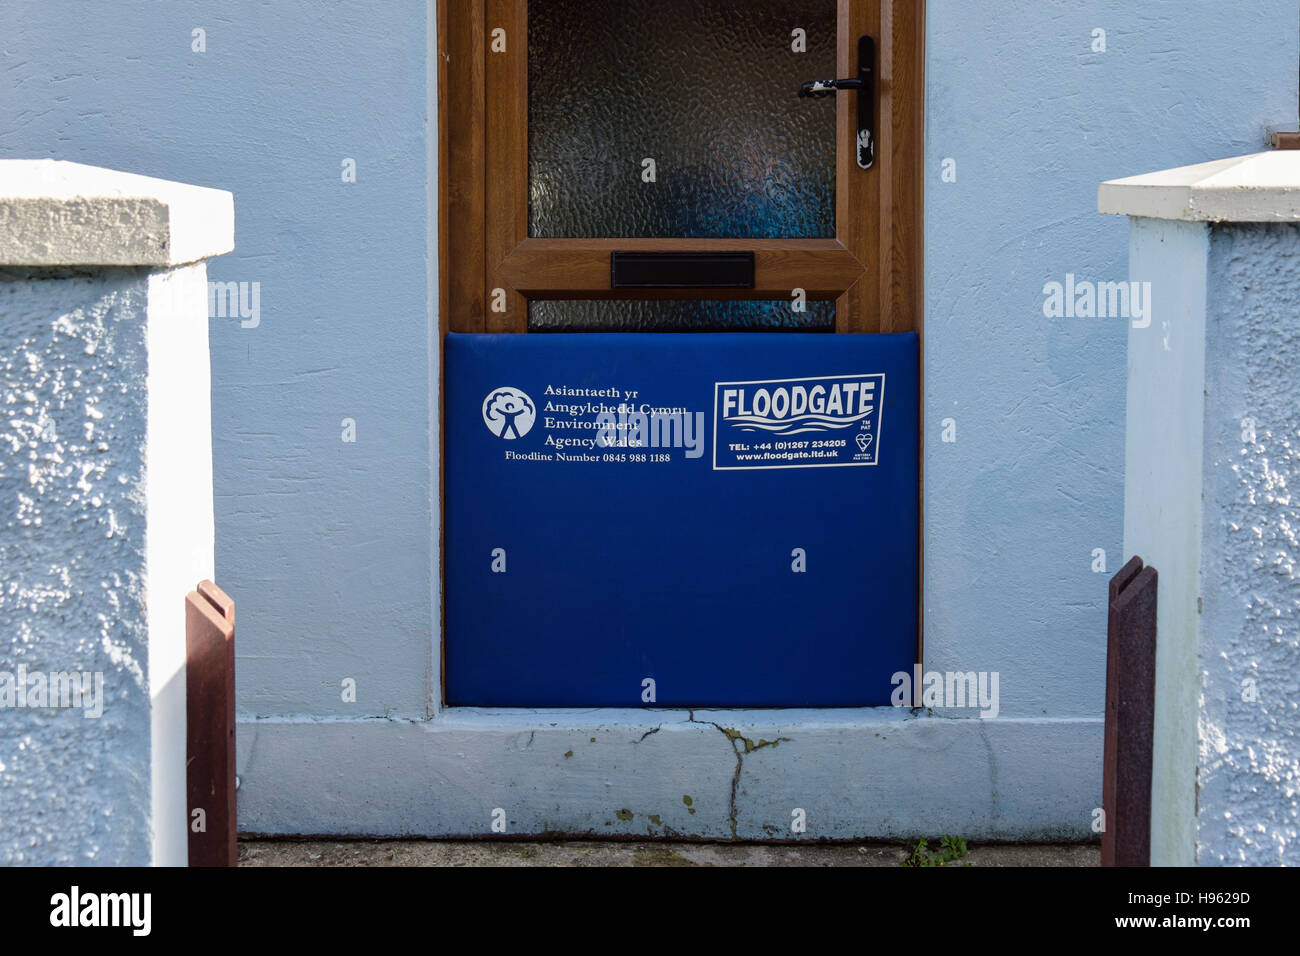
890 237
872 267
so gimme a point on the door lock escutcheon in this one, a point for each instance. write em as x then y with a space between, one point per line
863 84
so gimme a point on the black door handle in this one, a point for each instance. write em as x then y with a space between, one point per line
826 87
864 86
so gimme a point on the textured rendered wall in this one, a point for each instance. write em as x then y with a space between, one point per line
72 543
1249 781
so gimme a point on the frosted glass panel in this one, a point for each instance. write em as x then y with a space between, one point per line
687 315
707 89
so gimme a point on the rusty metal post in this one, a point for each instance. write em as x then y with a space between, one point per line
1130 716
210 725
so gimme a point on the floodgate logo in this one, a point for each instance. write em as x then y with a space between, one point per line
798 423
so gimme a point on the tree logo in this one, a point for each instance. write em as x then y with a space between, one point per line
509 413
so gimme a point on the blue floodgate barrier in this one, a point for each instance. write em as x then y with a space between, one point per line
677 520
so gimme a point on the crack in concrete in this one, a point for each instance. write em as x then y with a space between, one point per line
649 732
995 811
747 746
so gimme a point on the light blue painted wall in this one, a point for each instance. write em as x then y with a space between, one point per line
1035 121
326 547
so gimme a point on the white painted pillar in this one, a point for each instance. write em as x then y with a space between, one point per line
1212 498
105 504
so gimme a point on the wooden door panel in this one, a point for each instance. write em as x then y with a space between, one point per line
871 268
580 268
507 154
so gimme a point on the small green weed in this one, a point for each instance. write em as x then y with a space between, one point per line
950 850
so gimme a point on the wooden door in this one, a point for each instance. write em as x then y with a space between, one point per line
500 255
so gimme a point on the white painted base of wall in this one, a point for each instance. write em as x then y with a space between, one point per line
179 543
879 773
1163 503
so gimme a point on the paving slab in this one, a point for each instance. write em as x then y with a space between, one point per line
255 852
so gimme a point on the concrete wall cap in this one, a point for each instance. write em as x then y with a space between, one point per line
1261 187
55 213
